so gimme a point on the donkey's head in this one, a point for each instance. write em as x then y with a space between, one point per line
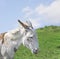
29 38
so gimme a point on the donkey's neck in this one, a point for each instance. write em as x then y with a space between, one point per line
17 36
18 43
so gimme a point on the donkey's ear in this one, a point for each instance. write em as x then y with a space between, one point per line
24 25
29 23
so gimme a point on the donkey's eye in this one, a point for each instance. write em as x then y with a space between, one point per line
26 30
31 37
29 40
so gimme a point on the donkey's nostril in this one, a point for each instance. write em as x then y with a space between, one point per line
35 51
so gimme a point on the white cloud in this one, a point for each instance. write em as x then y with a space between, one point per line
50 14
41 9
51 10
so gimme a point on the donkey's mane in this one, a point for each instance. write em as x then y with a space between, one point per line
14 31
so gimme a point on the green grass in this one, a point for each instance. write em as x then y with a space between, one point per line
49 46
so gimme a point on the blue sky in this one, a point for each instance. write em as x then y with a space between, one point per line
39 12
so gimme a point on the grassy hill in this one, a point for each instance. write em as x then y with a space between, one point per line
49 45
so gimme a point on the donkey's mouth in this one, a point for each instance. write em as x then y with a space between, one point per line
35 51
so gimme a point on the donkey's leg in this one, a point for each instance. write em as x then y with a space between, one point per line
1 56
4 52
11 56
10 53
7 56
4 57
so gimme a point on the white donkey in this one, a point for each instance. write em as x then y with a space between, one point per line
11 40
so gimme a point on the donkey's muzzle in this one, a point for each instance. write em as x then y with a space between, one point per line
35 51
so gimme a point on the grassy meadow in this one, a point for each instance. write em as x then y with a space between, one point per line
49 45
